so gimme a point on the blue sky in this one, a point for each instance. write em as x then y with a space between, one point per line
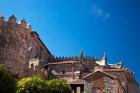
94 26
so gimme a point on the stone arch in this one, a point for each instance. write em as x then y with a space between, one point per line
34 62
32 66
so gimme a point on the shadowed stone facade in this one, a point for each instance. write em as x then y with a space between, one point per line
90 77
14 39
18 45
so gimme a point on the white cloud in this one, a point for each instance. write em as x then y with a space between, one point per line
99 12
107 15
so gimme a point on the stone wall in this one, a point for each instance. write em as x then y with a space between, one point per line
38 50
14 39
18 45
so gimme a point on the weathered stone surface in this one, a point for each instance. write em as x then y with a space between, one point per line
18 44
13 47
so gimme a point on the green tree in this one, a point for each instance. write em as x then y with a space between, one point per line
7 82
58 86
33 84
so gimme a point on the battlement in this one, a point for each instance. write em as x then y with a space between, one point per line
11 23
73 58
19 46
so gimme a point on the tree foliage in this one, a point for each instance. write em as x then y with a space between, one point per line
36 84
7 82
33 84
58 86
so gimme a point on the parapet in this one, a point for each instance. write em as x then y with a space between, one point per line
13 24
2 19
73 58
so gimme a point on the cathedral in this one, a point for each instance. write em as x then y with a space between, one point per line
24 54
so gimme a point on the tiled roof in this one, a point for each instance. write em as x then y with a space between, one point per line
119 75
79 81
95 73
64 62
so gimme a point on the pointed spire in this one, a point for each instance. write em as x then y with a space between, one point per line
104 55
104 59
81 56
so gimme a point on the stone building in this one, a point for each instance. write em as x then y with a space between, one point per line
24 54
21 48
93 75
14 40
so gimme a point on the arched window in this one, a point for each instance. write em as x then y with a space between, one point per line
32 66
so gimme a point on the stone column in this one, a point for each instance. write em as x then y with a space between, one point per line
78 89
72 91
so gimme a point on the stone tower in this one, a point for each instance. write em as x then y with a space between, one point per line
14 43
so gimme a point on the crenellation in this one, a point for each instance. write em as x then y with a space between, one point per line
28 27
12 20
73 58
22 22
2 19
12 25
70 58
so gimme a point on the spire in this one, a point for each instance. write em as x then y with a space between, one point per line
104 59
81 56
104 56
